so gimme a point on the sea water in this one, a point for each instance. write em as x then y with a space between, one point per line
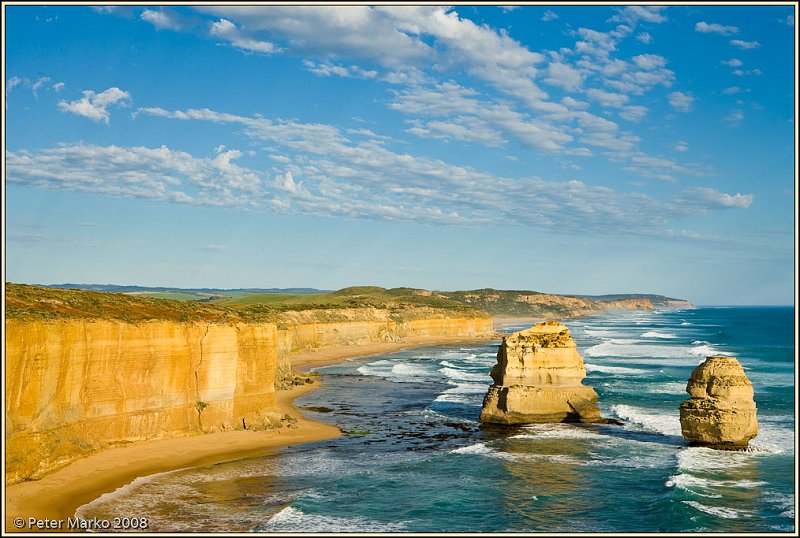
414 457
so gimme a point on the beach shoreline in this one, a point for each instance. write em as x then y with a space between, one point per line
58 495
308 360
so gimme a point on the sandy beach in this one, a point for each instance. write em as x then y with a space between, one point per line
58 495
307 360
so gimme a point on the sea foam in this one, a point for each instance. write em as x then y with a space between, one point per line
653 421
719 511
292 519
656 334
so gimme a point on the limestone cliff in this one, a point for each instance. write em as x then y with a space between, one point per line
76 386
77 383
537 378
721 412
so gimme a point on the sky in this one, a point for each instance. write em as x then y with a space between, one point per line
558 148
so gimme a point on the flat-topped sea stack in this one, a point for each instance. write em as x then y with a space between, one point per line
537 379
721 412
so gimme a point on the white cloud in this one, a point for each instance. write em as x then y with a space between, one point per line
35 86
549 16
323 173
733 90
650 61
733 62
635 14
12 83
508 9
563 76
155 173
681 145
38 84
595 43
488 118
715 28
465 128
713 199
644 37
162 19
744 44
745 72
607 99
332 31
327 69
95 105
227 30
634 113
735 116
789 20
680 101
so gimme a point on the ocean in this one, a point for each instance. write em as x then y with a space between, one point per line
414 457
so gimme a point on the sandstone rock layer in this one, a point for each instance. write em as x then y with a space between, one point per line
76 386
538 378
721 412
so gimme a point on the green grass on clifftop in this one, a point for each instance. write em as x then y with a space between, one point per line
40 303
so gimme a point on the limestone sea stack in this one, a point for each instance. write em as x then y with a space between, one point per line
721 412
537 379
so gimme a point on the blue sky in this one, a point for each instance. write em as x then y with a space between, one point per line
565 149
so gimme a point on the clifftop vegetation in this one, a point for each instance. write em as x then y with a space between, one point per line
358 302
34 302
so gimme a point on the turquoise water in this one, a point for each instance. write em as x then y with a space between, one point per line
415 459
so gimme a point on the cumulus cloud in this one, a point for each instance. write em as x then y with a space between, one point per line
162 19
680 101
733 62
644 37
608 99
636 14
228 31
634 113
95 105
563 76
649 61
744 44
715 28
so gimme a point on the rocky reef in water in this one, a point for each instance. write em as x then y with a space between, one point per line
538 378
721 412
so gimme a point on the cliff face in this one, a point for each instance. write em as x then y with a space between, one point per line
75 386
721 412
537 378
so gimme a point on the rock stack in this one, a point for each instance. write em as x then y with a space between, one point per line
721 412
537 379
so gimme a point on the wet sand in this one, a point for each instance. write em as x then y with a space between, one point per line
57 495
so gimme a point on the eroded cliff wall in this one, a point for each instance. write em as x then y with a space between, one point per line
74 386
